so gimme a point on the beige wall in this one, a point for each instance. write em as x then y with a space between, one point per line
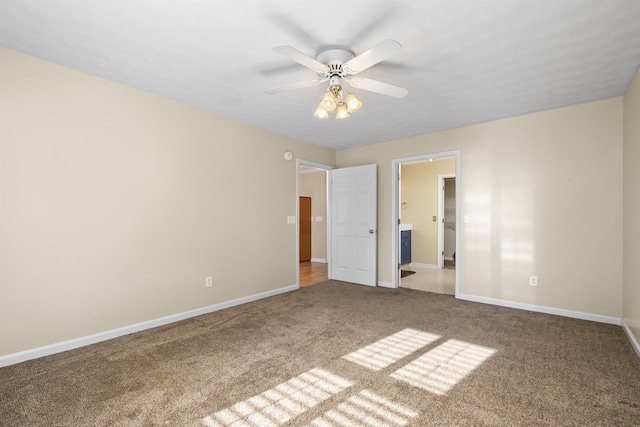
314 185
420 193
115 205
544 196
631 293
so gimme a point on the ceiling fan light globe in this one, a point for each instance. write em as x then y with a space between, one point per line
321 113
342 112
353 103
328 102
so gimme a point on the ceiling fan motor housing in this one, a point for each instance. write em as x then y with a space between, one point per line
334 58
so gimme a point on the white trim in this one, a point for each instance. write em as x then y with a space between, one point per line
632 338
315 165
543 309
12 359
386 285
322 260
418 265
305 170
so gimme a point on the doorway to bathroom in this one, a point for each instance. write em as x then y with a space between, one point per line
426 200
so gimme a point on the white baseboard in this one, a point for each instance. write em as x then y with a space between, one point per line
632 338
542 309
418 265
12 359
322 260
449 258
385 285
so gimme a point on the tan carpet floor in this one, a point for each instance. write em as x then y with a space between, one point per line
338 354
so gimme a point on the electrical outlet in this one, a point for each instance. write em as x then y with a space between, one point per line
208 282
533 280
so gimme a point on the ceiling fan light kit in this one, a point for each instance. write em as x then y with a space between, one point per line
341 111
353 103
337 65
332 100
328 102
321 113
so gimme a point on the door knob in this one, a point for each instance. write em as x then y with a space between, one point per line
371 231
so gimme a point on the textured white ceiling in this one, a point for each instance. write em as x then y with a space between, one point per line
463 61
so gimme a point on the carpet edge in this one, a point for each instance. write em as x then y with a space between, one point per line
632 338
47 350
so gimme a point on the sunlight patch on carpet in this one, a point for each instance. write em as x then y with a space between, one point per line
389 350
366 409
283 402
440 369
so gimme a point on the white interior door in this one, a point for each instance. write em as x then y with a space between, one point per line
354 224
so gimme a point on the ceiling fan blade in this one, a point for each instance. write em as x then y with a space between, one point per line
378 87
301 58
378 53
297 85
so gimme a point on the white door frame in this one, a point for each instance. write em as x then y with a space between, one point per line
327 168
395 214
441 214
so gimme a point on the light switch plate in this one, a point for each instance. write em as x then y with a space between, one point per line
291 219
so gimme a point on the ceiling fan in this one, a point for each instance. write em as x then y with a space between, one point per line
336 65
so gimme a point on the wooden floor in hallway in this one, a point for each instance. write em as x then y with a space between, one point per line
313 272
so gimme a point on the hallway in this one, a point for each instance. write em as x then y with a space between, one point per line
313 272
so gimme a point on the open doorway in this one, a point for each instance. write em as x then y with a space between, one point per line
426 217
313 265
447 222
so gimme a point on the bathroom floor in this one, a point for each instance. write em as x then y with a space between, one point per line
442 281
